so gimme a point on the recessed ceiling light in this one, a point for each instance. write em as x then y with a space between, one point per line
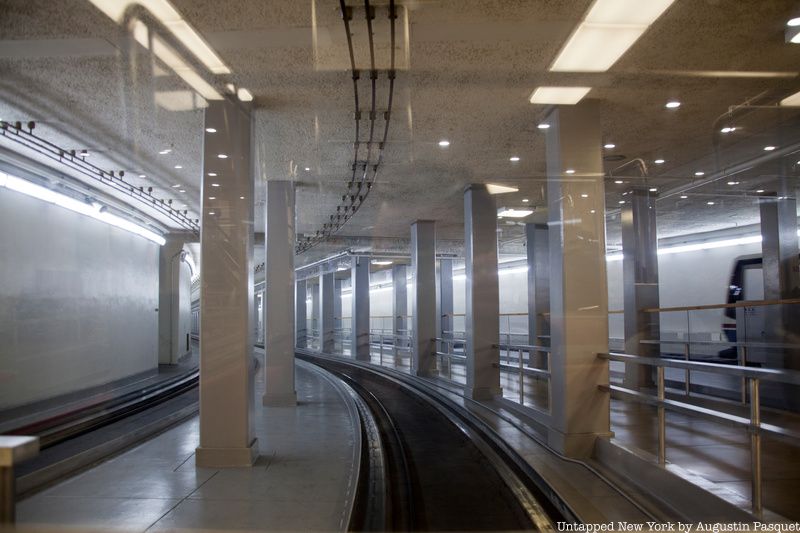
794 22
500 189
212 197
176 185
728 129
444 143
215 184
212 174
659 161
592 211
142 176
760 191
653 189
733 183
525 200
165 151
211 130
699 173
543 126
622 201
244 95
672 104
513 213
584 195
241 198
618 182
609 146
570 171
178 167
769 148
307 169
223 156
709 203
211 213
684 197
559 95
182 190
513 158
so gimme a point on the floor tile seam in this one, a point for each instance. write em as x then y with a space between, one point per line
181 501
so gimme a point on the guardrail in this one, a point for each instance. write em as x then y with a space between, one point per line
752 424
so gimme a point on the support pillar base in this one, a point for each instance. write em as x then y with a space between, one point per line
483 393
283 399
576 445
226 457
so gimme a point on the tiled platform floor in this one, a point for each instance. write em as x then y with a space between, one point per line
300 481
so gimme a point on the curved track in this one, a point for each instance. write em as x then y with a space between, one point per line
439 475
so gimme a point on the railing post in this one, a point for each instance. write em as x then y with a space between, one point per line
380 358
521 386
743 363
662 422
687 378
755 446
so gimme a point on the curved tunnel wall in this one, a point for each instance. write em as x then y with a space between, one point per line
78 301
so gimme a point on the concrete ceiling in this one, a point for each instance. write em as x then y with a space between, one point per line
465 72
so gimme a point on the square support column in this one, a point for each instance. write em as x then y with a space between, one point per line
227 436
316 326
279 332
640 283
780 264
482 294
578 285
337 307
399 306
326 295
538 253
300 313
174 301
359 334
445 314
423 301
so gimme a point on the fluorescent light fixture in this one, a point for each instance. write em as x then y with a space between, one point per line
699 173
543 126
176 185
212 197
142 176
569 171
444 143
769 148
618 182
621 202
381 262
653 189
212 174
525 200
223 156
172 20
244 95
608 31
513 159
609 146
733 183
165 151
211 213
792 100
794 22
709 203
759 191
659 161
728 129
215 184
513 213
500 189
584 195
211 130
182 190
559 95
672 104
42 193
684 197
178 167
308 169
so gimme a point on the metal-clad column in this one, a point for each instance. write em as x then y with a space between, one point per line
174 300
445 299
300 313
578 285
227 436
359 335
538 252
399 306
423 301
337 306
482 294
781 281
326 295
316 326
640 283
279 295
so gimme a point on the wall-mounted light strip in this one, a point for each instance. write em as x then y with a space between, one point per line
709 245
94 211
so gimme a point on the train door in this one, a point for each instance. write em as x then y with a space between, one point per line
750 321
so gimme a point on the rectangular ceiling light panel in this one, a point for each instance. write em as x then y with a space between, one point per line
559 95
608 31
493 188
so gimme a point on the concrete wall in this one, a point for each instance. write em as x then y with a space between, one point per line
77 301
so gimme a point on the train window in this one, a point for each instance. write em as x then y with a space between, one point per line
753 283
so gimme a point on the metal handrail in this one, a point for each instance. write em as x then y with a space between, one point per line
751 378
726 343
524 347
